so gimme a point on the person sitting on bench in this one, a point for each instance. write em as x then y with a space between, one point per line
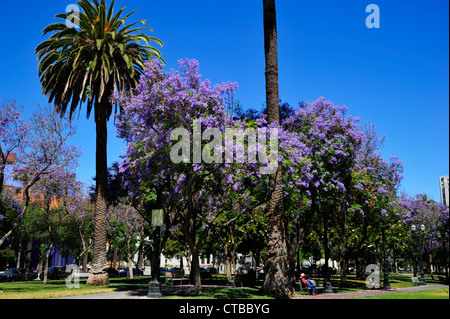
308 283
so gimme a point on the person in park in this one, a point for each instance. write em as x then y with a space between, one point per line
309 283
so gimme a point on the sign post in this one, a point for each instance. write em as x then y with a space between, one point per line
154 286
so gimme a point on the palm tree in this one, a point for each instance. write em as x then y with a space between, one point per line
278 281
88 63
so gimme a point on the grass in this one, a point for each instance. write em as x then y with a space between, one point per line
57 288
53 289
425 294
220 293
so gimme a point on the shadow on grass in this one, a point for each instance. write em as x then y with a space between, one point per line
219 293
122 284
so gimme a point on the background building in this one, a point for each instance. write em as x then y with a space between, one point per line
444 187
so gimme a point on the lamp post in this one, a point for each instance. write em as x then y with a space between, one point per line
154 287
421 231
326 283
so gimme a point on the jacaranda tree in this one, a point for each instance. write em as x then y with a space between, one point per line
87 63
163 103
13 135
47 150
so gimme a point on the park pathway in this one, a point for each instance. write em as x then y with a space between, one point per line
371 292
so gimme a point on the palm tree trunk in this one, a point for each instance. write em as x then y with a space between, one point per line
277 277
98 276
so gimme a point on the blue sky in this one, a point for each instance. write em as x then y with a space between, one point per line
396 77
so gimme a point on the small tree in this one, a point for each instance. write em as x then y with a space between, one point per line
13 136
55 190
126 229
47 151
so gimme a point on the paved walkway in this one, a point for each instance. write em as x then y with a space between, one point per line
371 292
142 293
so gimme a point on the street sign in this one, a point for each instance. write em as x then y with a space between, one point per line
157 217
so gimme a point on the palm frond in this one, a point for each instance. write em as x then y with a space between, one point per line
86 64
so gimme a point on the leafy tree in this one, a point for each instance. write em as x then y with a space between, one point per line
10 215
126 228
56 192
47 151
197 195
328 140
420 210
13 135
87 64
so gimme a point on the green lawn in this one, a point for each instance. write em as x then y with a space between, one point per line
396 281
57 288
425 294
220 293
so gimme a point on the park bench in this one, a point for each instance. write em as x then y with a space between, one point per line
175 276
238 279
308 290
415 281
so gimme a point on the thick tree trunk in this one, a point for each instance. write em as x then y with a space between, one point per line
195 272
99 276
228 262
85 262
47 255
277 281
343 269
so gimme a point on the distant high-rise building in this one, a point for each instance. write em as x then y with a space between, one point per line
444 187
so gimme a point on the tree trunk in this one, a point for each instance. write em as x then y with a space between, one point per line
3 164
228 262
19 256
2 240
99 276
47 255
27 255
140 257
277 281
431 265
343 269
187 253
195 272
181 264
114 263
85 262
130 259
